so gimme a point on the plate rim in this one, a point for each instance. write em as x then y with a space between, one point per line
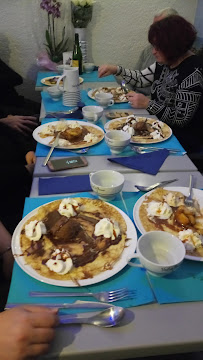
36 137
56 76
138 142
121 263
142 198
89 93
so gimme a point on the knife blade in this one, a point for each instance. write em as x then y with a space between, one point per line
55 143
78 305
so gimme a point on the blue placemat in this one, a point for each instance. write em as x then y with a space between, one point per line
98 149
91 77
133 278
184 284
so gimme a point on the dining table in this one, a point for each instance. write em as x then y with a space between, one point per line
165 314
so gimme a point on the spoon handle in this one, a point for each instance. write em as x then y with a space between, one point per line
73 319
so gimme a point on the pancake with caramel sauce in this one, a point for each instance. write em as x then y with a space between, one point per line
143 128
74 136
181 218
90 255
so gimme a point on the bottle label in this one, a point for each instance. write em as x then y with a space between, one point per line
75 63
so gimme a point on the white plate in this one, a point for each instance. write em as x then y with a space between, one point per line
46 140
120 264
43 81
90 94
149 141
198 194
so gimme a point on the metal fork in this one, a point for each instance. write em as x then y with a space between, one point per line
143 149
188 200
103 296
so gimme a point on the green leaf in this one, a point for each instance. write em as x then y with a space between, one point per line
49 41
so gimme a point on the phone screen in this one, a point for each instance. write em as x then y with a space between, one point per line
67 163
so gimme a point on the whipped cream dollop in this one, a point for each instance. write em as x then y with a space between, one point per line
74 125
174 199
61 126
157 125
60 262
48 130
159 209
63 142
156 134
107 228
129 129
68 207
90 137
35 229
191 240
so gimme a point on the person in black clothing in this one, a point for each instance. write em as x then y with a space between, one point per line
10 101
176 81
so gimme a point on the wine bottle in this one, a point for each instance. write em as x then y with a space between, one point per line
77 54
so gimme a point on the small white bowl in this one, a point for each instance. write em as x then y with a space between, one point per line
117 140
62 67
88 67
54 92
92 113
159 252
106 183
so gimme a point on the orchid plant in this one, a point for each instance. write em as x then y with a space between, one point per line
81 12
55 49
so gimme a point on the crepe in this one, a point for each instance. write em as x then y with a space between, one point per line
143 130
90 254
52 81
118 114
118 93
165 210
73 135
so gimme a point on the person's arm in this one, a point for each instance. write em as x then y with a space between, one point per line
26 332
8 77
22 124
5 251
136 78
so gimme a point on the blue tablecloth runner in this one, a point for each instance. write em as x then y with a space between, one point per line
133 278
91 77
102 148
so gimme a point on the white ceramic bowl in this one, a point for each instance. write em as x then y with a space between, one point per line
88 67
92 113
62 67
106 183
159 252
54 92
117 140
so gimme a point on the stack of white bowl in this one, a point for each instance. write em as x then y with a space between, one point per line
71 98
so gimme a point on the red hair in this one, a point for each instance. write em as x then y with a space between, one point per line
173 36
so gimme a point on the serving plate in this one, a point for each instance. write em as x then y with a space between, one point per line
197 194
46 80
130 248
135 139
48 141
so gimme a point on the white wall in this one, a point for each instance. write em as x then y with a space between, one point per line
117 33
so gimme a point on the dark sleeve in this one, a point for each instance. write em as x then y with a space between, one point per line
9 76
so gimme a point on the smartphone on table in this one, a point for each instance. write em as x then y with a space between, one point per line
70 162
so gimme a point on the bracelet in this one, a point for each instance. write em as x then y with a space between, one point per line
3 252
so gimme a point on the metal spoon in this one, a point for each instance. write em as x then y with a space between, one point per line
106 318
154 186
124 87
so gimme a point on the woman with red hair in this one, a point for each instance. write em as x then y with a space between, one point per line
176 80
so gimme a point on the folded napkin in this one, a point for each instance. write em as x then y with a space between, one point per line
61 185
148 163
61 115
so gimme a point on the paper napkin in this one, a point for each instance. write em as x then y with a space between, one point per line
149 163
66 184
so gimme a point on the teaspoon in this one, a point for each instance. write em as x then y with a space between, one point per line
154 186
106 318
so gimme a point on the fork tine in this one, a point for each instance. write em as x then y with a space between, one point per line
117 291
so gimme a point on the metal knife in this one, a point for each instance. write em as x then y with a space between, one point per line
79 305
55 143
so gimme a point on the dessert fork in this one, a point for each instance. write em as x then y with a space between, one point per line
103 296
188 200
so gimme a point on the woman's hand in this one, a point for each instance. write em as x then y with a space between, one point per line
30 157
105 70
138 101
22 124
26 332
